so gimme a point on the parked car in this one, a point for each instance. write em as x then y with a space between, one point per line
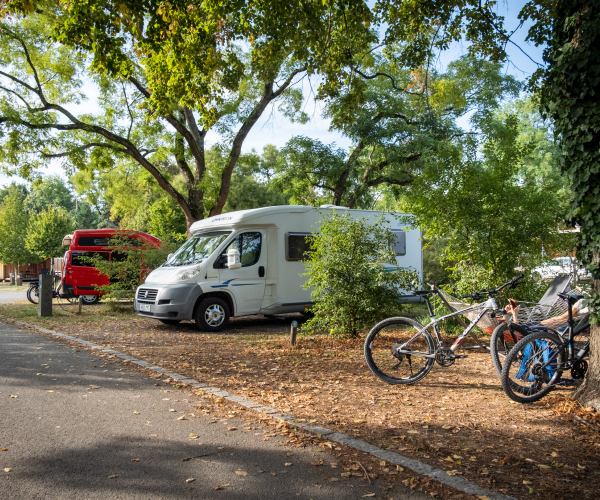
562 266
80 277
249 262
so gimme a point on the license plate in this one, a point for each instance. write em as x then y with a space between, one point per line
145 307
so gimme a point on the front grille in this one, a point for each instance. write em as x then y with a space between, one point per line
147 295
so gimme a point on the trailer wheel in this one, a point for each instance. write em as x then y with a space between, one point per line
212 315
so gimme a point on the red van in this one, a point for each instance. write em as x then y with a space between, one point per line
80 278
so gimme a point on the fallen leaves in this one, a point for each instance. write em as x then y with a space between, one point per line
13 396
136 412
190 480
193 436
241 473
135 459
232 428
113 476
7 469
288 464
183 417
220 487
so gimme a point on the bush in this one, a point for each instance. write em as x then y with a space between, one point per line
129 265
351 287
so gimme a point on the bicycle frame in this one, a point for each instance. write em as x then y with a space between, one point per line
486 306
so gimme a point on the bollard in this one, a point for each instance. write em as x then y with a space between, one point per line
45 298
12 279
80 302
293 332
19 280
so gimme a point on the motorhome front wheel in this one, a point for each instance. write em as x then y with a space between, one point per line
212 315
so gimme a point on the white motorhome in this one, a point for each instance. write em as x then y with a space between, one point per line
249 262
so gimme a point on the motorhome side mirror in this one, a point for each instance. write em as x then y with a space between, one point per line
233 259
169 256
220 262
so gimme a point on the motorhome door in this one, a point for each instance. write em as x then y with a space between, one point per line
246 284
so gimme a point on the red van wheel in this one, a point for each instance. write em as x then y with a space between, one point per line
90 300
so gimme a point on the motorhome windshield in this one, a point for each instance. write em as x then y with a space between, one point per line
196 249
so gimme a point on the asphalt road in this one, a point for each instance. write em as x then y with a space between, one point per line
8 297
74 428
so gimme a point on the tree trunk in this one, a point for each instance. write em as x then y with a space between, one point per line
588 393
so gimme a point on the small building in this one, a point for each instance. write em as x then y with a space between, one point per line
29 271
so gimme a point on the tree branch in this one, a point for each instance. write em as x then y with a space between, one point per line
389 77
85 146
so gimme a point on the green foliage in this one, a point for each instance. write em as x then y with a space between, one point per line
46 231
394 134
128 265
21 188
51 191
569 95
498 205
351 286
434 267
166 220
14 221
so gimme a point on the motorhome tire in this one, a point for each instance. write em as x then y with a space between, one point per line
170 321
212 315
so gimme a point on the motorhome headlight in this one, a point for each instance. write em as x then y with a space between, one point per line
187 274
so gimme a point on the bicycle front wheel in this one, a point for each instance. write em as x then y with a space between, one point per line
396 354
533 367
503 339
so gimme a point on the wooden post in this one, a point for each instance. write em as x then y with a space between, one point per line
80 302
19 280
45 298
12 279
293 332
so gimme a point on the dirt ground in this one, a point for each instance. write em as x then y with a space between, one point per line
457 419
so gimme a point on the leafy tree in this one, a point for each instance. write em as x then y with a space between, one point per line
22 189
351 287
14 221
252 186
136 128
498 205
394 134
166 220
569 95
46 231
51 191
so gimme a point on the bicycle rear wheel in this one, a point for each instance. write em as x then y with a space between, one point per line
504 338
393 357
533 367
33 294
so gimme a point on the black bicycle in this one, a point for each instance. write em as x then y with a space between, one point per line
33 292
534 366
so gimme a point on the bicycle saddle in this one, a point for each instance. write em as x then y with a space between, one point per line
570 298
423 292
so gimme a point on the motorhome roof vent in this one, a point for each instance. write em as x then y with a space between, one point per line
331 206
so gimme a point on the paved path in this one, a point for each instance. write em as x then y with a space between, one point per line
69 431
8 297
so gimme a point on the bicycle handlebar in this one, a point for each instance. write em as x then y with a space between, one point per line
479 295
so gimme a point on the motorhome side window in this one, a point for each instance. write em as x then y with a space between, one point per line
248 245
398 244
297 246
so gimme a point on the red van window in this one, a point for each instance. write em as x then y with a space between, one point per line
77 260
